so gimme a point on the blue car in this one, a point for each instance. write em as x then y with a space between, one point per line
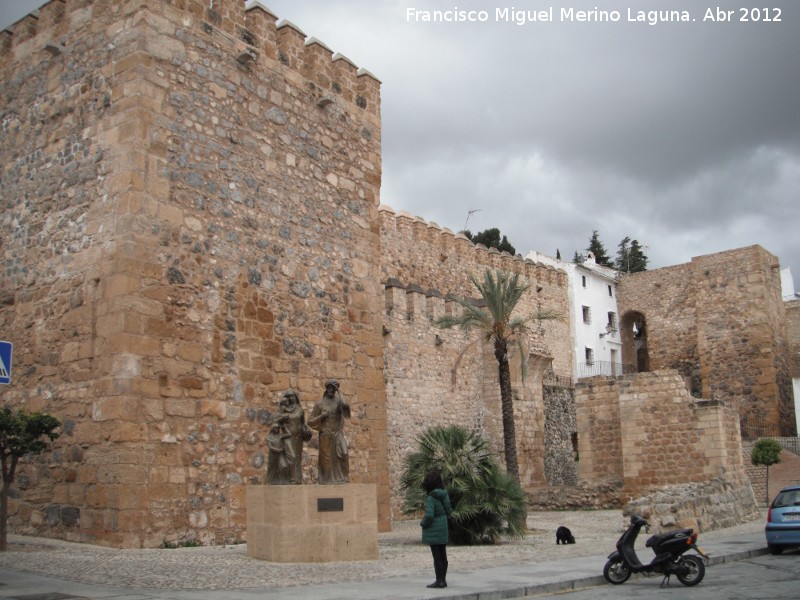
783 520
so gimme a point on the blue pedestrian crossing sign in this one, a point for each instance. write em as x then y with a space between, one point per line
5 362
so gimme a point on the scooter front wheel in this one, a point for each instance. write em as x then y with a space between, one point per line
695 570
616 571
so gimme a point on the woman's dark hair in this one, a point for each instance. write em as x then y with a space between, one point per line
432 481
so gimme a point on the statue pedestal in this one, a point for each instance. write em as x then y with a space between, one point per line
312 523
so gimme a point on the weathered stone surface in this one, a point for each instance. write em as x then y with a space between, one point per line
166 279
721 322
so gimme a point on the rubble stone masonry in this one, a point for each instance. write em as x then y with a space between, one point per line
442 377
191 224
189 227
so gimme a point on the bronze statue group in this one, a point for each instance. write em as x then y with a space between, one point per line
289 430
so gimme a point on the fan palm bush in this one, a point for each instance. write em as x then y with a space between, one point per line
487 502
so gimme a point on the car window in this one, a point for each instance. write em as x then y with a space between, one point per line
787 499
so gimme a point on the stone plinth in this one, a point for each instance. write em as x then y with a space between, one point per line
312 523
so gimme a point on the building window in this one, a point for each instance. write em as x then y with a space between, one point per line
583 280
612 322
589 356
610 292
587 315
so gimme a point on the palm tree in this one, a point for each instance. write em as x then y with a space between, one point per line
487 502
501 292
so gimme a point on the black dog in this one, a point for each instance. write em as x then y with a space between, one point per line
564 536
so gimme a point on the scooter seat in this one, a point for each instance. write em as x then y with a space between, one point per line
660 538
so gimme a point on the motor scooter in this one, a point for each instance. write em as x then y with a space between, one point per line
669 549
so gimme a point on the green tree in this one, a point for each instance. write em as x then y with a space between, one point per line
638 258
491 239
501 293
767 452
21 433
597 248
630 257
487 502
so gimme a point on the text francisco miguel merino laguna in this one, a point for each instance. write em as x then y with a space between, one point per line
564 14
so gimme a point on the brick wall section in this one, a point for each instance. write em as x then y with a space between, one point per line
184 237
786 472
720 322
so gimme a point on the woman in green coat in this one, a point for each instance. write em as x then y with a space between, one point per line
434 525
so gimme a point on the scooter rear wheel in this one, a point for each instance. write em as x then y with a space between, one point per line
696 570
616 571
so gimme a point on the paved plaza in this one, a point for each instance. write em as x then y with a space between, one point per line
535 564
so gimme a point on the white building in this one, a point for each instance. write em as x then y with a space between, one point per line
594 321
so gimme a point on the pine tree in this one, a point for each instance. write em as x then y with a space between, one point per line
596 247
638 259
491 239
630 257
623 260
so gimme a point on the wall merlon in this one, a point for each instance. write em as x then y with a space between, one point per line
228 15
254 7
412 302
51 15
291 43
318 63
415 302
341 60
6 41
261 22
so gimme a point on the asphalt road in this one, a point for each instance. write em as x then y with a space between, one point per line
763 578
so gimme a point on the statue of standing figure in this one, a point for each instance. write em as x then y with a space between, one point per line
328 417
285 441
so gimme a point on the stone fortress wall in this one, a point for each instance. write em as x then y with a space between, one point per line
673 457
793 334
191 225
190 201
721 322
443 377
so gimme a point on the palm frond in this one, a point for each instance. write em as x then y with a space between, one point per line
486 501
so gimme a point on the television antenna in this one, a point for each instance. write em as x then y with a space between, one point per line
469 214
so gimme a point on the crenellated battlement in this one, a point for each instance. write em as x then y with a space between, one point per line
410 231
410 302
255 38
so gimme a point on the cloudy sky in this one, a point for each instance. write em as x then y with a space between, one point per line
682 135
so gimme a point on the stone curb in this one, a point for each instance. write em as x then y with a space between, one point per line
557 587
734 556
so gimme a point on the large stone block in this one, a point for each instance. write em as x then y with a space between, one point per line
320 523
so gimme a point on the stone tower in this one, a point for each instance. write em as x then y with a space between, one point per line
189 226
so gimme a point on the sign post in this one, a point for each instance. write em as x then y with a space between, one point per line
5 362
